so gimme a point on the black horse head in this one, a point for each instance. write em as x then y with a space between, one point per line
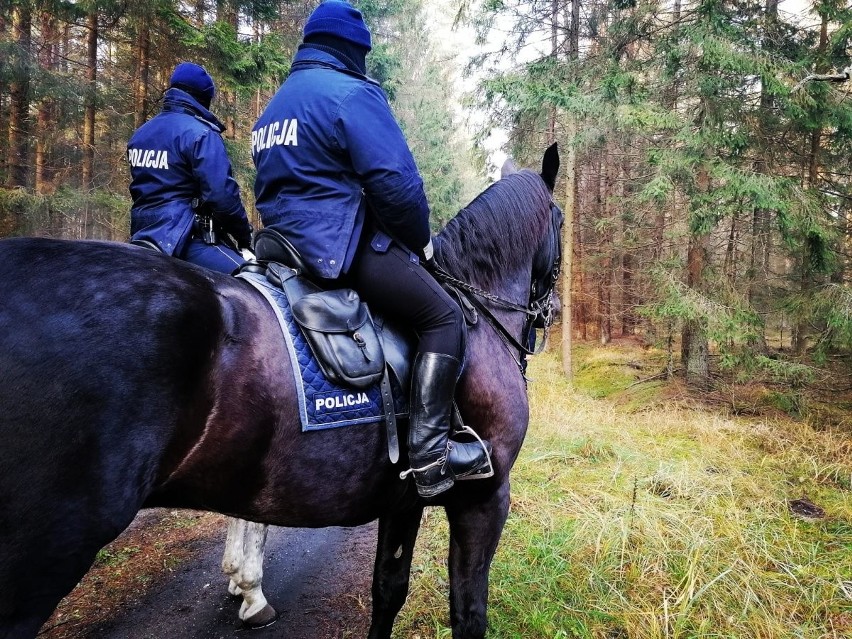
483 244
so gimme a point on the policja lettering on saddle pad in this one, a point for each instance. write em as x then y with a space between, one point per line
322 404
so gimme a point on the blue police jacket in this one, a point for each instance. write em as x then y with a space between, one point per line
329 154
178 162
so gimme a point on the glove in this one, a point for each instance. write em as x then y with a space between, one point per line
429 256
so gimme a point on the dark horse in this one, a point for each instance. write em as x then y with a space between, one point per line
131 380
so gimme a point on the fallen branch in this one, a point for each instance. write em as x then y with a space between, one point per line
661 375
843 76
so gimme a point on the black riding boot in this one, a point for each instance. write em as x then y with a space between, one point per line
437 461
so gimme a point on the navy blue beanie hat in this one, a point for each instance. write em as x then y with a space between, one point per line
193 79
339 19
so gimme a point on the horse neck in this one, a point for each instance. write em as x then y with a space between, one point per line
498 263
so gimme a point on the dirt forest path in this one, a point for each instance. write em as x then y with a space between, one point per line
318 581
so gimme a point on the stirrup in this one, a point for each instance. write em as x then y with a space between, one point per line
482 472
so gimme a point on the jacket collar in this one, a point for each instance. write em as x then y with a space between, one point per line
179 100
308 57
309 54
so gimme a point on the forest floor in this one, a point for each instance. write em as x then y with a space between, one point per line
639 510
643 510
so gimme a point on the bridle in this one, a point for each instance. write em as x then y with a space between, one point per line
539 313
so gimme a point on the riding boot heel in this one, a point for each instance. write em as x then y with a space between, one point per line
432 477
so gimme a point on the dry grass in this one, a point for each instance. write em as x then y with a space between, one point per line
139 560
658 519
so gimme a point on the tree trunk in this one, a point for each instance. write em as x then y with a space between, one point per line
574 30
578 285
568 250
554 52
199 13
731 252
760 224
19 98
606 248
226 11
88 172
800 330
694 345
628 295
594 254
44 129
143 65
4 92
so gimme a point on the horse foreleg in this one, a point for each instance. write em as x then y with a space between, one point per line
395 548
243 563
475 529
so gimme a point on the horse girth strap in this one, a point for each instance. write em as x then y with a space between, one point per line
390 417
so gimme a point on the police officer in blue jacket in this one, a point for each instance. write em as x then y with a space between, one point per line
181 178
336 177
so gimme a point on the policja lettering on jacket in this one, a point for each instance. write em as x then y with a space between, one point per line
148 158
281 133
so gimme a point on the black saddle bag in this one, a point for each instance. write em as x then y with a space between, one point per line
340 331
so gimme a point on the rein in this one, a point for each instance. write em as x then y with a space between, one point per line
471 293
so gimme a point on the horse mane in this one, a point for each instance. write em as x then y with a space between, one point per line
498 232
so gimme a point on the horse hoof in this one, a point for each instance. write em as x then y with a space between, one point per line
266 617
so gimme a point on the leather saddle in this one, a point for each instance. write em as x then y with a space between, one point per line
332 320
271 248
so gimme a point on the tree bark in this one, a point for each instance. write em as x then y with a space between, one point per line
694 344
628 295
568 250
606 249
758 271
88 169
143 65
580 304
226 11
4 112
19 99
44 130
200 9
574 33
800 330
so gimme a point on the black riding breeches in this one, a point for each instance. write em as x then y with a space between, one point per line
401 289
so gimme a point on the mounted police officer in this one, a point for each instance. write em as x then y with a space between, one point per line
182 186
336 177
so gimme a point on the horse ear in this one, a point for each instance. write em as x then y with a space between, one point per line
550 166
508 168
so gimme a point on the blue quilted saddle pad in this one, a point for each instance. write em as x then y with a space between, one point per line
322 404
